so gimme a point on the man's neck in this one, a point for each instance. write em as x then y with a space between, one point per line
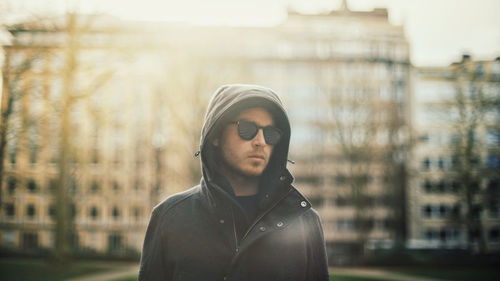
242 185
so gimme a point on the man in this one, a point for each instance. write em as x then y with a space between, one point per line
244 221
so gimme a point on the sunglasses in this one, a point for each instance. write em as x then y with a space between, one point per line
247 130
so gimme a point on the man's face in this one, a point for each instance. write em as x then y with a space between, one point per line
246 158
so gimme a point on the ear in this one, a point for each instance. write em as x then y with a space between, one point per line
215 142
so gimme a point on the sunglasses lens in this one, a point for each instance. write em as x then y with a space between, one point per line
247 130
272 135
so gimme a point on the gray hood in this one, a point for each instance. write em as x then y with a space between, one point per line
226 103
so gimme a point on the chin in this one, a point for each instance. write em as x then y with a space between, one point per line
253 172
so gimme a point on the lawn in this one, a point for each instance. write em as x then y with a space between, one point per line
451 273
335 277
27 269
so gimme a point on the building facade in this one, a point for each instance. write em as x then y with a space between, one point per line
454 190
344 77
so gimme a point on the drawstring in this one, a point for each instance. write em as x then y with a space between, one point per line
291 161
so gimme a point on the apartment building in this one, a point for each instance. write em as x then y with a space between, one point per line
447 100
344 77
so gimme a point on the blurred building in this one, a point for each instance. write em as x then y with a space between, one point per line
456 117
64 79
343 75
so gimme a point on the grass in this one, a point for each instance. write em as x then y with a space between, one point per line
335 277
26 269
130 278
30 269
340 277
332 277
451 273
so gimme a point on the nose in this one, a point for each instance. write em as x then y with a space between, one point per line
259 139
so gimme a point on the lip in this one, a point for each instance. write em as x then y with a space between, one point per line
257 156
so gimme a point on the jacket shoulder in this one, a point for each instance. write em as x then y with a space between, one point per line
175 200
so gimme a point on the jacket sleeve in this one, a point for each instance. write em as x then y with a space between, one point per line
152 259
317 266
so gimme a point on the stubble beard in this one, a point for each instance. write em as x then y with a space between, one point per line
254 172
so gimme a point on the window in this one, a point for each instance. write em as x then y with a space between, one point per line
427 185
340 179
115 242
52 211
494 235
52 186
345 225
30 211
137 185
426 164
441 163
455 186
116 213
12 150
11 185
441 186
492 138
116 187
493 186
137 213
440 211
10 210
33 132
95 187
30 240
31 186
442 235
341 201
73 186
492 161
494 210
476 211
94 213
73 211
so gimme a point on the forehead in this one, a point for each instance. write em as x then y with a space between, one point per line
258 115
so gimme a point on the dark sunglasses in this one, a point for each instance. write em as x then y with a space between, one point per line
247 130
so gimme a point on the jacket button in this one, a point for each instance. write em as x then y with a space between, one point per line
225 278
279 224
282 178
262 228
303 203
221 221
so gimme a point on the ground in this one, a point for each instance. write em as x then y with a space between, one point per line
41 270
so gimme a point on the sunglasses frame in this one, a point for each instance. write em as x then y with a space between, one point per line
257 131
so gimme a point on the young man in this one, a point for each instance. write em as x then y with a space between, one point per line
244 221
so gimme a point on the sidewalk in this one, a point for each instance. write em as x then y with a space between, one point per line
381 274
119 272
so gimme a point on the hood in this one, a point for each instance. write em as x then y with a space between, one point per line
226 103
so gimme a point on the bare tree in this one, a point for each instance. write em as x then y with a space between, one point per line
356 123
468 109
12 92
68 50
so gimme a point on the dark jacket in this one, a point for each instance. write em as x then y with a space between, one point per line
192 236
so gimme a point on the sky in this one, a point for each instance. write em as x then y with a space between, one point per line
439 31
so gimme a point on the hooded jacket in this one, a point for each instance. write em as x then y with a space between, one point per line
192 236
